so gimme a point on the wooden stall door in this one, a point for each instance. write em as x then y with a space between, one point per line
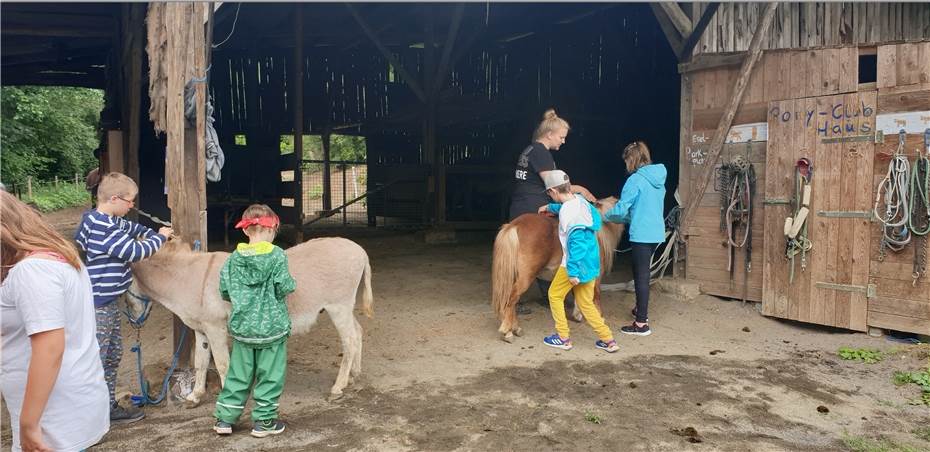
835 133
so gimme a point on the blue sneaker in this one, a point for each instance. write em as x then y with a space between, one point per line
268 427
609 347
222 428
556 341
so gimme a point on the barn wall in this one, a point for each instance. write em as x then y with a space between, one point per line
903 85
814 24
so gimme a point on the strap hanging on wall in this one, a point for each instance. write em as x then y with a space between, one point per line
894 190
795 230
919 221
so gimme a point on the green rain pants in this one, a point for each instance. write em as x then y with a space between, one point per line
267 368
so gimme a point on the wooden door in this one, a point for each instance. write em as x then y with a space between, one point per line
833 132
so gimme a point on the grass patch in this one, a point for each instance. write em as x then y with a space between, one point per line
860 444
48 197
592 418
922 433
866 355
919 378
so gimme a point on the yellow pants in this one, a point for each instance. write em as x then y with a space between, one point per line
584 299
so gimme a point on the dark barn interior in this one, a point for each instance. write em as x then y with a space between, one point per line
445 96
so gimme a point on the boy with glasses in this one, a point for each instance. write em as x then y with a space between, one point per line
110 244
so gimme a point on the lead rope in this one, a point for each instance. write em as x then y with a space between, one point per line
919 221
894 189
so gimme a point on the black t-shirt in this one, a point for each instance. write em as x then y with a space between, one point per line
529 191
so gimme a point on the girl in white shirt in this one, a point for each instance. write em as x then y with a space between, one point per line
52 379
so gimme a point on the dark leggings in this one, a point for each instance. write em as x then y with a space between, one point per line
642 255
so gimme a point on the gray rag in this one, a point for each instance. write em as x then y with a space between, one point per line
214 154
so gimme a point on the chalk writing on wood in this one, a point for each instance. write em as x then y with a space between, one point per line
696 156
831 120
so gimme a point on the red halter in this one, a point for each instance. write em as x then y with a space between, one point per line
268 222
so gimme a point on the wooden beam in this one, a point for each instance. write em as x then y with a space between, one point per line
698 31
73 31
443 68
712 61
401 70
671 34
298 106
678 17
133 86
716 145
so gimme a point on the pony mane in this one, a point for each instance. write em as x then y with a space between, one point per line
608 236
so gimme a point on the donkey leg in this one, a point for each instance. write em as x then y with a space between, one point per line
357 363
201 363
344 321
219 346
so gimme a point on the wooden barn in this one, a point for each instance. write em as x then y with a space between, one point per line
838 84
443 96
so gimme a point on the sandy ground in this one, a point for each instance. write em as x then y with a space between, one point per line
715 375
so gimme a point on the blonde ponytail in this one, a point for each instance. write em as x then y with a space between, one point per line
551 122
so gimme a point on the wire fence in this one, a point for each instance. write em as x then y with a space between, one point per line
347 181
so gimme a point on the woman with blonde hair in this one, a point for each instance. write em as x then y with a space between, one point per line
52 379
533 164
641 203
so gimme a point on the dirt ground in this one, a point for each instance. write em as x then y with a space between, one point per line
714 375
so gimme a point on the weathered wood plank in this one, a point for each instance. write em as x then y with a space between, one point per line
903 102
898 322
887 66
777 76
908 71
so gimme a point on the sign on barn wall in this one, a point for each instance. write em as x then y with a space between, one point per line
911 122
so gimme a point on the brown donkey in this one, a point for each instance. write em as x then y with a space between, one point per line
528 247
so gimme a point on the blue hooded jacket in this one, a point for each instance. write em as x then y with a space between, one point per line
641 203
582 254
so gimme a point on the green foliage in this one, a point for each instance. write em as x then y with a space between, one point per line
592 418
315 192
869 356
922 433
341 147
48 131
919 378
48 197
861 444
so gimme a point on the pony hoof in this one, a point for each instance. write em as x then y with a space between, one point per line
518 331
577 317
333 397
191 402
508 338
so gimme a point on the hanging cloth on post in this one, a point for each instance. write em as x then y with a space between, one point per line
214 154
795 230
894 189
919 221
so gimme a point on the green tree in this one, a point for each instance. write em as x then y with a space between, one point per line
47 131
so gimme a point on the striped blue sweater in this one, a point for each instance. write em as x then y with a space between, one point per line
110 245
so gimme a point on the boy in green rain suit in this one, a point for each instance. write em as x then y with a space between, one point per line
256 280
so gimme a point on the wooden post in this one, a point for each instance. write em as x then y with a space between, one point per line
684 145
56 181
716 145
77 178
327 173
29 187
186 166
698 31
298 103
131 89
430 149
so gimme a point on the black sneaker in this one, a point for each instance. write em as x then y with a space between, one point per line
120 415
268 427
636 330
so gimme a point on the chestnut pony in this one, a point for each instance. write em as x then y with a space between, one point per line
528 247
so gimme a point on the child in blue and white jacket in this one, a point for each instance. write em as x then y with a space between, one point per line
579 222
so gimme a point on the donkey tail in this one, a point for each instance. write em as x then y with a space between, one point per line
367 298
504 268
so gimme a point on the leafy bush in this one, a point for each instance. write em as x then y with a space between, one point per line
48 197
48 131
921 379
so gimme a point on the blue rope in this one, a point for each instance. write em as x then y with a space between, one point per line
143 398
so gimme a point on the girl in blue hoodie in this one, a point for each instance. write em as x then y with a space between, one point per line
640 206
